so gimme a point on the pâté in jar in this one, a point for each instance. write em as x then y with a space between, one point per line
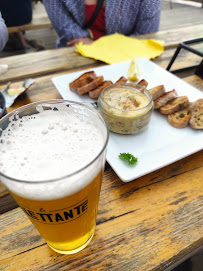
127 108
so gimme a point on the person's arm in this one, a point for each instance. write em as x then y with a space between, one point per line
3 33
63 21
148 17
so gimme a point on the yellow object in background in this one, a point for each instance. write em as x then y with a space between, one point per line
15 91
117 48
133 71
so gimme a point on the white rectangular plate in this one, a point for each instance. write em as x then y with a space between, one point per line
160 144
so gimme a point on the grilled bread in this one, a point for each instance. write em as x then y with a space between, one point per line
174 105
94 94
196 121
157 91
81 81
180 118
143 83
122 79
165 98
92 85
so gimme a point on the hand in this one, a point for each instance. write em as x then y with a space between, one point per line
85 40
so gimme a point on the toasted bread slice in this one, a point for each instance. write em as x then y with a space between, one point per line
180 118
157 91
165 98
175 105
196 121
122 79
92 85
94 94
83 80
143 83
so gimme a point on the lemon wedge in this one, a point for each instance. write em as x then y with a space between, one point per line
133 71
13 91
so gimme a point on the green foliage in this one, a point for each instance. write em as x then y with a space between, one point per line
128 157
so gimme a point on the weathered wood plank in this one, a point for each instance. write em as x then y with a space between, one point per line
55 60
200 1
195 81
39 23
173 37
174 14
7 202
52 61
141 225
42 63
184 59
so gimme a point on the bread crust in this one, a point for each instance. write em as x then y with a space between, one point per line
196 121
180 119
92 85
174 105
122 79
82 80
94 94
143 83
157 91
165 98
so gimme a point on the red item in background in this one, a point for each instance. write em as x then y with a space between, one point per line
98 27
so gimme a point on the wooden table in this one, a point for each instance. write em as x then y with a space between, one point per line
148 224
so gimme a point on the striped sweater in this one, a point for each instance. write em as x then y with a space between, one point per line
128 17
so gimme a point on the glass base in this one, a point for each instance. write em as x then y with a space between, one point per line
74 250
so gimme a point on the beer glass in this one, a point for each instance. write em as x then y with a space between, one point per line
52 161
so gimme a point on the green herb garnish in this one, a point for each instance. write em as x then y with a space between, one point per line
128 157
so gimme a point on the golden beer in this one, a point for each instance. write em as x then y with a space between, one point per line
67 224
63 209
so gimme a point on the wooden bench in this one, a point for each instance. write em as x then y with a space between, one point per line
40 20
199 1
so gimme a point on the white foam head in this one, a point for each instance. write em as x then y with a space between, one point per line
51 145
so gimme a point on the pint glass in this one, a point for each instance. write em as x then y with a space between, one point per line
52 160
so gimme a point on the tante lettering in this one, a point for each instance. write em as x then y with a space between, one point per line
32 214
43 216
68 215
81 208
84 206
58 217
